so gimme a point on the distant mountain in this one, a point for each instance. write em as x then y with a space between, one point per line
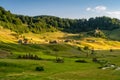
38 24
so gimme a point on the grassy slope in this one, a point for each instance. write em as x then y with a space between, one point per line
59 36
16 69
115 34
9 37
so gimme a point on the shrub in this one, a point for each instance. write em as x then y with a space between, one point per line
81 61
111 50
29 56
86 48
39 68
95 60
59 60
79 48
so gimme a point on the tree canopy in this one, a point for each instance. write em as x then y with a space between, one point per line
44 23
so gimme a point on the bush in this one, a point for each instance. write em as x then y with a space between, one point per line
40 68
95 60
79 48
86 48
29 56
81 61
59 60
111 50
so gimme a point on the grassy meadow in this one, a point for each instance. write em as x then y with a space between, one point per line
21 69
13 68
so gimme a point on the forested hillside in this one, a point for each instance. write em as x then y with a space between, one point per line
38 24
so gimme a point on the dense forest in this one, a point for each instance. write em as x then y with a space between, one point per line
37 24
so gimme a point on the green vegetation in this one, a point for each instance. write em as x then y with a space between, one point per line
39 24
13 69
61 49
59 61
40 68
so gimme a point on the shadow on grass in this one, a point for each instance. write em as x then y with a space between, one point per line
47 49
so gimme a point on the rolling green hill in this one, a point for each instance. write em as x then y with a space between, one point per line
114 34
97 33
67 49
39 24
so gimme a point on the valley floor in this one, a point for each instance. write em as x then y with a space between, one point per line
22 69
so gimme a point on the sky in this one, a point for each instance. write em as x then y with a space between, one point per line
74 9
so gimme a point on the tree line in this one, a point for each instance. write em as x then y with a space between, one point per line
38 24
